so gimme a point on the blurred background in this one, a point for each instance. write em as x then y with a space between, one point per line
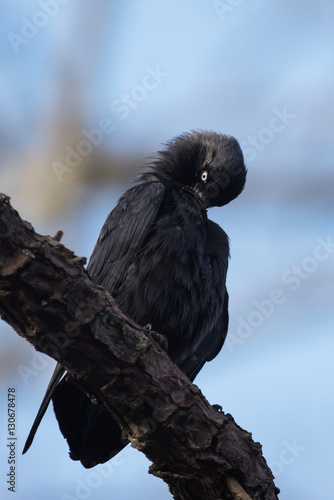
88 91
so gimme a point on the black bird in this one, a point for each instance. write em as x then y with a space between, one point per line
165 263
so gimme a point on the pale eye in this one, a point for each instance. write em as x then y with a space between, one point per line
204 176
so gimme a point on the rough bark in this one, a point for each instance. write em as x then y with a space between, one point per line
48 298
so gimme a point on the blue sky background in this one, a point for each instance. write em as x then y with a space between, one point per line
231 71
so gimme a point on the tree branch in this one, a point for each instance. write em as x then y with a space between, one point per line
48 298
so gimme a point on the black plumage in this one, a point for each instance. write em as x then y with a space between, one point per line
165 263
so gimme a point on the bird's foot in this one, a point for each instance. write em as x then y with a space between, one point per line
218 408
159 338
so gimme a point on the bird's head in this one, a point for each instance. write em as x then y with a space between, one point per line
209 163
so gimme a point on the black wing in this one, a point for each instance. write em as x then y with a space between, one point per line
214 270
123 233
121 236
209 347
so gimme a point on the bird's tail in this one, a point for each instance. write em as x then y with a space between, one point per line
55 379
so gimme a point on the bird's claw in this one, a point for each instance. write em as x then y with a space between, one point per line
159 338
